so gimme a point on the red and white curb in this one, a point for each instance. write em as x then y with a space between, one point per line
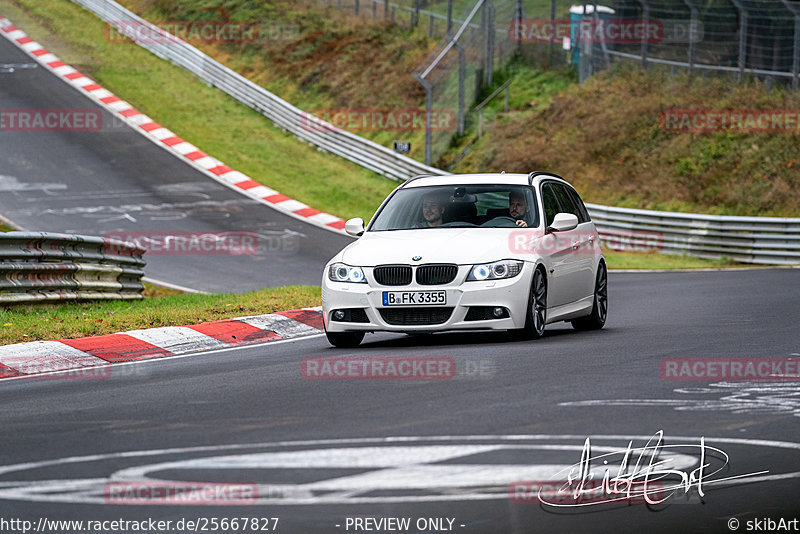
163 137
73 355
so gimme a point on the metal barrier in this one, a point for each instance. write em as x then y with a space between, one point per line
765 240
42 266
746 239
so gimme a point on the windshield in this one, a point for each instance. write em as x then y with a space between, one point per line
462 206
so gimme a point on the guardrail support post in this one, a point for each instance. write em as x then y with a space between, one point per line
415 14
385 9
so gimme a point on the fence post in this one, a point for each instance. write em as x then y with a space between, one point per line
462 74
519 16
385 9
692 36
488 27
430 26
415 14
552 25
742 38
356 7
374 10
449 16
645 18
796 46
428 105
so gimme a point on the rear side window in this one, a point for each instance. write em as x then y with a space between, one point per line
551 207
576 200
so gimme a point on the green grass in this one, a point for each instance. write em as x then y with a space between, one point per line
211 120
5 228
654 260
20 323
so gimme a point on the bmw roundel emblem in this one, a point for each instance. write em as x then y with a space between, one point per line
416 258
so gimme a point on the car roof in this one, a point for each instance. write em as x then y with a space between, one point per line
490 178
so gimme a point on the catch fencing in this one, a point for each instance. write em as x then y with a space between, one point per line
37 266
734 38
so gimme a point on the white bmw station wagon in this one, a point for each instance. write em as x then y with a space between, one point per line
481 251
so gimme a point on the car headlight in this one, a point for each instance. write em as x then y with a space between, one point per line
339 272
495 271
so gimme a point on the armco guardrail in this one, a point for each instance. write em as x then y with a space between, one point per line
767 240
747 239
36 266
303 125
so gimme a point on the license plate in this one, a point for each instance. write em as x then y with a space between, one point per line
414 298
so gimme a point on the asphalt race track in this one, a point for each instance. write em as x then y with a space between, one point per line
116 180
321 452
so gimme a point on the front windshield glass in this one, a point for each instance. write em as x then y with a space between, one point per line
458 206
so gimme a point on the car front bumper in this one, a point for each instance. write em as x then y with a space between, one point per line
511 294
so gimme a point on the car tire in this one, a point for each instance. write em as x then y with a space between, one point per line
597 319
536 312
345 340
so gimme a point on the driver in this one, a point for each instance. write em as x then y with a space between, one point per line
432 210
518 208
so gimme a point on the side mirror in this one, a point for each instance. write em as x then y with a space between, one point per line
355 227
563 222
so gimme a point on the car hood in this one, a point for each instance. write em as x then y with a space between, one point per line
462 246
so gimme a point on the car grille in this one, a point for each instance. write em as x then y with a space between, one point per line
415 316
431 275
392 275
